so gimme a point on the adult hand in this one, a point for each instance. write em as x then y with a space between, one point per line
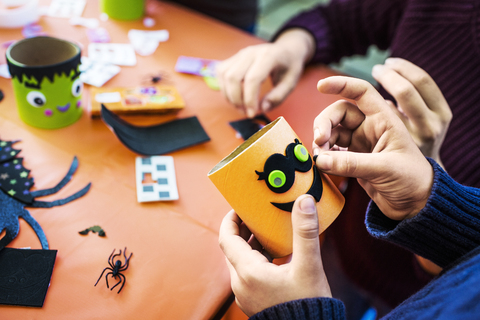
259 284
420 103
241 76
381 153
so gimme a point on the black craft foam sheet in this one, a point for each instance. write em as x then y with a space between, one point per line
157 139
25 276
248 127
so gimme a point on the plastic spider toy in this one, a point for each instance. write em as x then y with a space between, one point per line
115 269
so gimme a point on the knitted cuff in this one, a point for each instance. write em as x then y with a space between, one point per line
444 230
305 309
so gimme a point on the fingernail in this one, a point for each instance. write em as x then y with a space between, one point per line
324 162
250 113
390 61
307 205
266 105
316 133
378 68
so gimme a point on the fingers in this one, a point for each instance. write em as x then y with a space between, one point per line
413 88
235 248
241 76
350 164
230 75
368 100
306 244
335 125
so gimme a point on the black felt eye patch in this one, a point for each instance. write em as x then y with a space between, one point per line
287 164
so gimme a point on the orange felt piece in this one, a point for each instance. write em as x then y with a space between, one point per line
237 178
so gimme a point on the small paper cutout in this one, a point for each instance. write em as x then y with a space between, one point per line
66 8
25 276
115 53
90 23
94 229
98 35
157 139
146 42
196 66
97 73
162 183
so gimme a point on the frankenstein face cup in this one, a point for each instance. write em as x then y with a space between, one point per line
263 177
45 76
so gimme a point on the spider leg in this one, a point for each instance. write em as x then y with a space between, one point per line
101 276
60 202
113 258
127 261
36 227
120 281
61 184
110 260
106 278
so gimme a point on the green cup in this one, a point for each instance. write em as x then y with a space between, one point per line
45 77
123 9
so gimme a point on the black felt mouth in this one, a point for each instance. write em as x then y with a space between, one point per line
315 191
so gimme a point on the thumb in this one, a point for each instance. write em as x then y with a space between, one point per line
306 243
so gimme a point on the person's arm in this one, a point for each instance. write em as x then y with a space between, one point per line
447 227
348 27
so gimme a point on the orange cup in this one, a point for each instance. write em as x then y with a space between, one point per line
263 177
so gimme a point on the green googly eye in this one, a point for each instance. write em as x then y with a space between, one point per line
301 153
277 178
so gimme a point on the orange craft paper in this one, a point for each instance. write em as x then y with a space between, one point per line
237 179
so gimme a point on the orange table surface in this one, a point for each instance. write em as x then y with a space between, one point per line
177 270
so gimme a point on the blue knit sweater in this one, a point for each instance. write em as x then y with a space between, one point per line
446 231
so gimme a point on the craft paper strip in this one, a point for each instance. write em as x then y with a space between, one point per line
263 177
136 100
163 183
157 139
25 276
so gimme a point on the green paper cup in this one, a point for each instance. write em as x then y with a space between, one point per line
45 77
123 9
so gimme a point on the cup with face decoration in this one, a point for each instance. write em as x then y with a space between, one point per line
262 178
45 77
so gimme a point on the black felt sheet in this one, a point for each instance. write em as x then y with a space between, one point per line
25 276
156 139
248 127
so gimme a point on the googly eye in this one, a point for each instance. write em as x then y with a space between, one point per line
36 99
301 153
277 178
77 87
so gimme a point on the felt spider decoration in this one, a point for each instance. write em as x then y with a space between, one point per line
115 269
15 195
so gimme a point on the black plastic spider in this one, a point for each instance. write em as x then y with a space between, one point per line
116 267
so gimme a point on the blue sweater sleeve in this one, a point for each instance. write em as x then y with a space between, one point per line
447 227
304 309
